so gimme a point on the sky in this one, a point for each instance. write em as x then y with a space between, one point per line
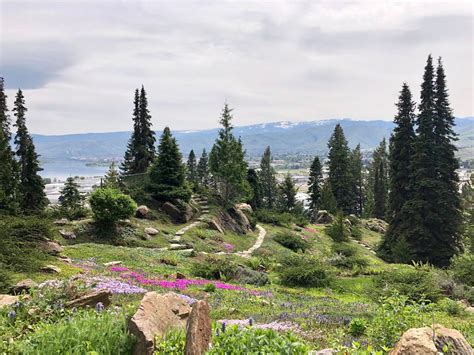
79 62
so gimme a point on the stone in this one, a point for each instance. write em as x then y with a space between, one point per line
51 269
142 211
23 286
51 247
180 276
172 211
91 298
8 300
61 222
65 259
198 329
375 225
151 231
178 247
112 263
244 207
431 340
327 351
155 316
67 234
214 225
323 217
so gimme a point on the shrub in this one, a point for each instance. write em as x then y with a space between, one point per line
346 256
304 271
463 268
248 276
417 283
214 268
280 219
5 280
357 327
356 232
338 230
451 307
291 241
110 205
210 288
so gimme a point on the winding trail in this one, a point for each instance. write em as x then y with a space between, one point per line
258 243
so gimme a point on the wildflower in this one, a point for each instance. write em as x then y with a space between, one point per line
11 314
99 307
223 326
250 321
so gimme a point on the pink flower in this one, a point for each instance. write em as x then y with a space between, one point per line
228 246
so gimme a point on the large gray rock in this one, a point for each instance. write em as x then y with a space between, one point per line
91 299
430 341
214 225
8 300
142 211
181 213
244 207
198 329
151 231
323 217
155 316
51 269
51 247
375 224
23 286
67 234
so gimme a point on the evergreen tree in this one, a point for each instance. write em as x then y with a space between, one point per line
268 181
340 175
315 185
379 179
227 164
358 179
449 201
328 201
287 196
112 178
255 188
8 171
141 147
31 192
167 173
191 169
401 153
203 170
70 198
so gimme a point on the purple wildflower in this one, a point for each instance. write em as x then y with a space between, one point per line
11 314
99 307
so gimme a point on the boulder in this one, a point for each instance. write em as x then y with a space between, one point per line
431 340
51 247
244 207
90 299
151 231
180 276
61 222
198 329
51 269
375 225
214 225
67 234
155 316
142 211
23 286
173 211
323 217
8 300
65 259
112 263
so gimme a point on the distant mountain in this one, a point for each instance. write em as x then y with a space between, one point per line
283 137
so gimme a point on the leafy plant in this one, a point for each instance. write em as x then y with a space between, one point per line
110 205
357 327
291 241
304 271
173 343
338 230
463 268
214 268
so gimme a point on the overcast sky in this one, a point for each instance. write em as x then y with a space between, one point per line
79 62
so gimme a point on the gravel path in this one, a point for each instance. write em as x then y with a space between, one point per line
258 243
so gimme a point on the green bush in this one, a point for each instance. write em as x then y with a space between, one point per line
291 241
87 332
417 283
338 230
463 268
357 327
451 307
346 256
110 205
246 275
5 279
280 219
356 232
304 271
214 268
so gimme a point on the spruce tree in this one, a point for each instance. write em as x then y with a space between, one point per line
268 181
202 170
112 178
256 189
141 146
340 175
227 164
401 154
167 173
379 180
328 201
358 180
70 198
315 185
8 171
287 194
191 169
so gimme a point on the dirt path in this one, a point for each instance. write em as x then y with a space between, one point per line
258 243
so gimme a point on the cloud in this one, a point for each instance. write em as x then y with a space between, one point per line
278 60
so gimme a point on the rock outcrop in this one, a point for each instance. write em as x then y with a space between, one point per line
431 341
198 329
23 286
67 234
181 212
91 299
51 269
214 225
323 217
51 247
142 211
375 225
8 300
155 316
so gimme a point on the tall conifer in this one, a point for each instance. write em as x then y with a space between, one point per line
256 189
357 172
268 181
315 185
287 194
191 169
202 170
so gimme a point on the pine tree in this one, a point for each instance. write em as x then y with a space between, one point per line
31 192
358 179
227 164
340 175
112 178
8 171
268 181
191 169
379 172
203 170
401 154
287 194
141 146
328 201
315 185
256 189
167 173
70 198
